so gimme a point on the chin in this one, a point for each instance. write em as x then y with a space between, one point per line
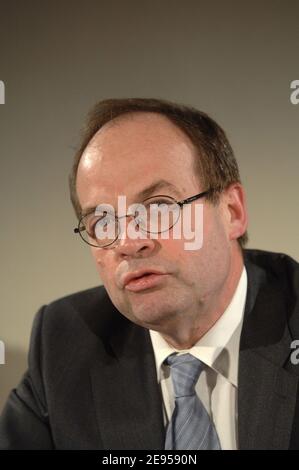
151 314
154 307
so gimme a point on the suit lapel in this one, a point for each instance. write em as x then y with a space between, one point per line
267 399
267 390
127 398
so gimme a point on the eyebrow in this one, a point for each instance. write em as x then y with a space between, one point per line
159 185
154 187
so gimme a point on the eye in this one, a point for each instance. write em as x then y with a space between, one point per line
161 201
104 221
161 205
158 202
99 223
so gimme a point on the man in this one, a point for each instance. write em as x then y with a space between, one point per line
181 348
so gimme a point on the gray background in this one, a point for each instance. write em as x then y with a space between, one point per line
232 59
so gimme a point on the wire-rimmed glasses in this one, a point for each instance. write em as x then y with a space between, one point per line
156 214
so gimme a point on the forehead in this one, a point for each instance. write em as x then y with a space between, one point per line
132 152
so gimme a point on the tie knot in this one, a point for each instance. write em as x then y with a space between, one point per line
185 370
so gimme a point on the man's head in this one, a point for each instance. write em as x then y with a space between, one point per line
130 146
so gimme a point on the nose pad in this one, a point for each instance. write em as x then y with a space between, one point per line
123 223
138 222
131 242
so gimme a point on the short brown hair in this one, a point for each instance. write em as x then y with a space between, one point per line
217 166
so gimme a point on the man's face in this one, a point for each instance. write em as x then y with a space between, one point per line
124 158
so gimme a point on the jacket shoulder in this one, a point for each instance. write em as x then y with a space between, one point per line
279 274
91 308
80 298
279 265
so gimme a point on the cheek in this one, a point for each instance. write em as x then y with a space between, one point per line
104 265
216 249
208 258
214 231
97 256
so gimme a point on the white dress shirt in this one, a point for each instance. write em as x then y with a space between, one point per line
217 385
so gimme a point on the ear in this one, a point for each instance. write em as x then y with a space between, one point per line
236 216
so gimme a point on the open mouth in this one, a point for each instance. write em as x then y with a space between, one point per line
145 281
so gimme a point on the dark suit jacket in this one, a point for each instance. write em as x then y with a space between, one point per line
91 381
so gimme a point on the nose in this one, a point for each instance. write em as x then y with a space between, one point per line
128 245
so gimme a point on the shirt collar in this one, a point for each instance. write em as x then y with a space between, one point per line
219 347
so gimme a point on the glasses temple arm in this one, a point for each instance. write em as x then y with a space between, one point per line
78 230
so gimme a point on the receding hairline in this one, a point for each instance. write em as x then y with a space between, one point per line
216 165
135 115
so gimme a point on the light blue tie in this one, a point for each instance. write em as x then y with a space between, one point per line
190 427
